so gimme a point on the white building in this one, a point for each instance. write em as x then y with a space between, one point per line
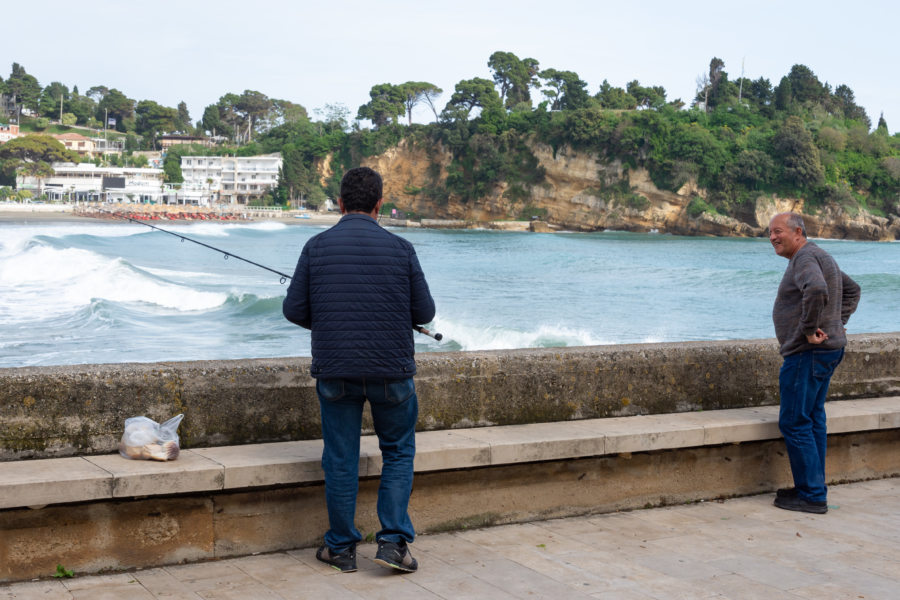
88 182
228 179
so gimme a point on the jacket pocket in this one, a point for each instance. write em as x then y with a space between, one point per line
330 389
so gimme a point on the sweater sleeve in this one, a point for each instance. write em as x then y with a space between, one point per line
810 280
850 298
296 306
421 303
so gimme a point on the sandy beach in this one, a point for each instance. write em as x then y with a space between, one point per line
25 213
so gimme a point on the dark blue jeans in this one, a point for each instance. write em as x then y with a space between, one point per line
395 410
804 382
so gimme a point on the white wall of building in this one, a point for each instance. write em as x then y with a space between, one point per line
85 181
230 179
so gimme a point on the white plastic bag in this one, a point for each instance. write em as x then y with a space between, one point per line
146 439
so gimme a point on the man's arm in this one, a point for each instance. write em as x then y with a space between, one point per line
850 297
421 303
811 282
296 303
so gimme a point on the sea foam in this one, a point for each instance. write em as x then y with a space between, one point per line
42 281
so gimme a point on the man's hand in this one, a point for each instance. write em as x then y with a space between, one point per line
818 337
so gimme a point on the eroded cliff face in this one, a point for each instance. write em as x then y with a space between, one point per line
575 196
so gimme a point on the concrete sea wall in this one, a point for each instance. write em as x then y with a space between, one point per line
80 410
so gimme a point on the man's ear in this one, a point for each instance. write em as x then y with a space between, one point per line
341 205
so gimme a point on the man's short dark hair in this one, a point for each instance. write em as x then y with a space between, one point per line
361 190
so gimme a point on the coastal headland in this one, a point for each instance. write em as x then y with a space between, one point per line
582 191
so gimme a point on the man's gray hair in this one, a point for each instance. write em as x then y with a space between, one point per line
794 220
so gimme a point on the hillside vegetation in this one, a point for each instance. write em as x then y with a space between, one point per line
734 142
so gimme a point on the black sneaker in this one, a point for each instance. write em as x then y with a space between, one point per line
395 556
345 562
786 492
801 504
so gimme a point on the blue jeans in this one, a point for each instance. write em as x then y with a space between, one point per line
395 410
804 382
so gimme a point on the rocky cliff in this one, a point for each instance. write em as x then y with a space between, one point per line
581 192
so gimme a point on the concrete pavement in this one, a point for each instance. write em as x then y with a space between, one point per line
742 548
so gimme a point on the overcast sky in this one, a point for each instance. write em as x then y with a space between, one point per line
334 51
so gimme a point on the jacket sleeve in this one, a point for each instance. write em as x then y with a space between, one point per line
850 297
810 281
296 303
421 303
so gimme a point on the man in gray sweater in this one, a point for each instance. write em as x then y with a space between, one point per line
814 302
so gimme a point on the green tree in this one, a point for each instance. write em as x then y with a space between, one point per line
647 97
211 121
564 89
83 107
845 103
415 92
761 94
252 106
32 154
68 119
799 156
172 165
183 121
97 92
285 111
784 94
38 170
229 116
36 148
24 88
53 99
387 102
115 105
138 160
805 86
152 120
514 76
615 98
470 94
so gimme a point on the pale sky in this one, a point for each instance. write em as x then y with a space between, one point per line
334 51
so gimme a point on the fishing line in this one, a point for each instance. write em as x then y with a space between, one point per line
283 276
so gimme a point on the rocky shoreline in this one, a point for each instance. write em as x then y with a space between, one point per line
665 215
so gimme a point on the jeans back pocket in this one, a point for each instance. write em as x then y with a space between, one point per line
330 389
398 391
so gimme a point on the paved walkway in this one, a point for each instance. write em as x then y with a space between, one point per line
737 549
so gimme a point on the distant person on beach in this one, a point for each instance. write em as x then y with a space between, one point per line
814 301
360 289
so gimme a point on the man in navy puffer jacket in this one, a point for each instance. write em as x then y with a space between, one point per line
360 289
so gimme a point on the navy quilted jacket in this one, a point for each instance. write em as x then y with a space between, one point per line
360 289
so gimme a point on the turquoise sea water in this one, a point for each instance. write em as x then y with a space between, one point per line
73 293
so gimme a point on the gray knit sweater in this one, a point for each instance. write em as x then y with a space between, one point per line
814 293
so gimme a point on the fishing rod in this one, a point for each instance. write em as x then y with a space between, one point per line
283 276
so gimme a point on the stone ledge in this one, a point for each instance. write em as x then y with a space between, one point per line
37 483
